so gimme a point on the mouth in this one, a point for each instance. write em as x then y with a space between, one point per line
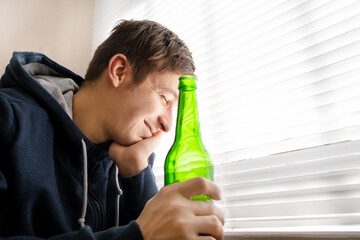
148 126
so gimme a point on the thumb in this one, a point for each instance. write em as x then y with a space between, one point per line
198 186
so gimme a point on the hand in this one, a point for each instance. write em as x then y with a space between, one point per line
172 215
131 160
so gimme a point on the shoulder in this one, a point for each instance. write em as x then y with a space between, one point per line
18 105
7 121
15 95
16 110
19 102
7 132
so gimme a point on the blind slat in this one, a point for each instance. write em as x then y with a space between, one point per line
315 167
307 181
334 206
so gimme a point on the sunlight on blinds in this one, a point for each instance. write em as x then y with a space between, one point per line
279 104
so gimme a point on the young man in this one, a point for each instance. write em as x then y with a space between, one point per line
71 155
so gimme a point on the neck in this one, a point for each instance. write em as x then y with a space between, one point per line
87 115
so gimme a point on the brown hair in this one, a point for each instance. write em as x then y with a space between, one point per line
148 46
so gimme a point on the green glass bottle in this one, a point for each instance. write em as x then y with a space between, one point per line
188 157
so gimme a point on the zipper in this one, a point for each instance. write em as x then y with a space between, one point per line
97 207
95 204
98 214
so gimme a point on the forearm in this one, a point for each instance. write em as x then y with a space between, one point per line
137 190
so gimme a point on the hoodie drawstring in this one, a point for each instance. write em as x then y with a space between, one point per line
118 194
81 220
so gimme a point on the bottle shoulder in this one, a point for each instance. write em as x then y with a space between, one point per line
187 151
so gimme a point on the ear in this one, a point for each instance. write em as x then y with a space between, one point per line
117 69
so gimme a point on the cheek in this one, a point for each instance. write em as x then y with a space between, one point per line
146 108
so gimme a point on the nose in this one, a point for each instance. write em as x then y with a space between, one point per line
165 121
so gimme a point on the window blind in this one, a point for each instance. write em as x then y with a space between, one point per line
279 104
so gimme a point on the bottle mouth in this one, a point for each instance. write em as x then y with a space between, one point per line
187 82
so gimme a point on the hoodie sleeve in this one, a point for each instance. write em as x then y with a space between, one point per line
137 190
130 231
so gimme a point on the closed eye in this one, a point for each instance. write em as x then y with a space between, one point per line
164 98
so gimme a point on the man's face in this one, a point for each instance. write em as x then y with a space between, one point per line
140 112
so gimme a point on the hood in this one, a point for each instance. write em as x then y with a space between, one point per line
51 85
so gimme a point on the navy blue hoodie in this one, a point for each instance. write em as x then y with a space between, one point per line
44 158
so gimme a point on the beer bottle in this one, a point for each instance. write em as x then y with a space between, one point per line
188 157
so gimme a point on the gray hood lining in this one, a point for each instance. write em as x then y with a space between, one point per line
62 89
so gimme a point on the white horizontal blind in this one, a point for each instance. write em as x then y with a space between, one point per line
279 104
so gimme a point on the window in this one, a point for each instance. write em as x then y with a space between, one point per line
279 105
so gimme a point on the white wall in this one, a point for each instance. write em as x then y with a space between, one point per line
61 29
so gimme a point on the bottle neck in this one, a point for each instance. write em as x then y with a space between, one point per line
187 125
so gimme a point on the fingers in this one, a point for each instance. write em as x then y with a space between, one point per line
205 238
201 208
131 160
151 143
198 186
210 225
136 153
172 215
